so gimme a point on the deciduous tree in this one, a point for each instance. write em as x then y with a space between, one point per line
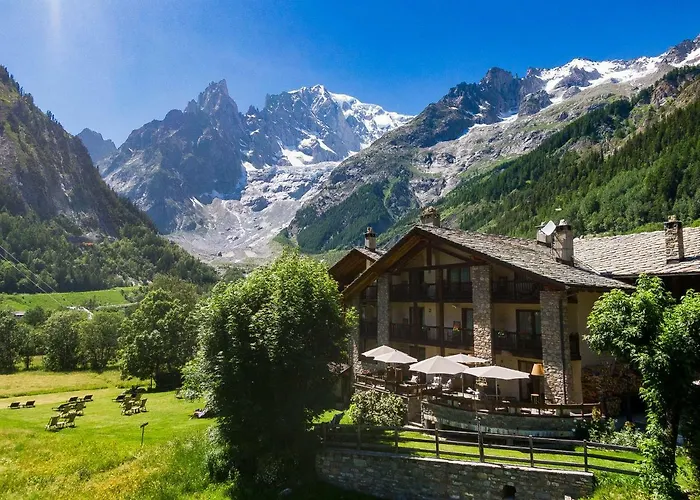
62 340
99 338
265 346
661 340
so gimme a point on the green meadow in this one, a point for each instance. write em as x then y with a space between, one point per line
24 301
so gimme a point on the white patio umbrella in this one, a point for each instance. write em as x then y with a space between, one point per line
378 351
497 373
437 365
466 359
395 358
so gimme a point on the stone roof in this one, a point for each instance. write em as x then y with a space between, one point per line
634 254
372 254
526 255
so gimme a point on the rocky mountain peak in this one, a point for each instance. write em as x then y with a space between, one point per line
98 147
215 98
497 78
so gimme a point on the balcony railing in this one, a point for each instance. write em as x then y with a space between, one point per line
519 344
369 293
515 291
574 347
368 329
431 335
408 292
460 291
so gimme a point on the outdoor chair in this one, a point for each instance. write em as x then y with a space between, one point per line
15 405
68 422
142 404
53 424
74 399
78 409
335 421
127 408
29 404
88 398
120 398
62 407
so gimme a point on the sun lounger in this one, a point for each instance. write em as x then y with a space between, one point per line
120 398
68 422
127 408
14 405
53 424
335 421
62 407
88 398
142 404
78 409
28 404
74 399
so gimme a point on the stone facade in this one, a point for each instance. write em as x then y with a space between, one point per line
498 423
402 477
556 353
483 312
383 309
673 236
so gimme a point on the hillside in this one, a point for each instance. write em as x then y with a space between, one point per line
59 220
473 128
622 167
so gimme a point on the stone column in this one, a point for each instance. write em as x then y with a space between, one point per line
354 342
383 309
483 312
556 350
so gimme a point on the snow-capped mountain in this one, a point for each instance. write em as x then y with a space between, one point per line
474 126
211 169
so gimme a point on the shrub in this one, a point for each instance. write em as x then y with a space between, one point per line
375 408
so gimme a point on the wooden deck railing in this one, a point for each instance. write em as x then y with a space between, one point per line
484 447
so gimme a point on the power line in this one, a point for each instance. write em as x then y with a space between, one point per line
27 275
38 278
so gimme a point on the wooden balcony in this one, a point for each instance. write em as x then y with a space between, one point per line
368 329
431 335
518 344
457 292
414 292
522 291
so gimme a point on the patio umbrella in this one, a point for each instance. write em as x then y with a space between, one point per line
437 365
465 359
395 358
497 373
378 351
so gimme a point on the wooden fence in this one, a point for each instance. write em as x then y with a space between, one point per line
483 447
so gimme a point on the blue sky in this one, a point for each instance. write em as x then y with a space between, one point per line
113 65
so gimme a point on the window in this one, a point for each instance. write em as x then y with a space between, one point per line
528 322
468 319
417 352
459 275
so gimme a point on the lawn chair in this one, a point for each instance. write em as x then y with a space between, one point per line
63 407
15 405
68 422
335 421
88 398
29 404
142 405
78 409
74 399
120 398
53 424
127 408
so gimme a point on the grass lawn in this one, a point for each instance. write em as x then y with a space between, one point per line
102 456
28 383
24 301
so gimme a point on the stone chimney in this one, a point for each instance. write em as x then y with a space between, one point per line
563 243
430 215
673 234
370 239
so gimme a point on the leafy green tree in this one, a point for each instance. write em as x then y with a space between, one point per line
62 349
32 342
35 316
661 340
157 339
265 346
10 342
99 339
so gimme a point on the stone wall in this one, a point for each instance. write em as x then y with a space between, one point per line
556 353
498 423
402 477
383 309
483 312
